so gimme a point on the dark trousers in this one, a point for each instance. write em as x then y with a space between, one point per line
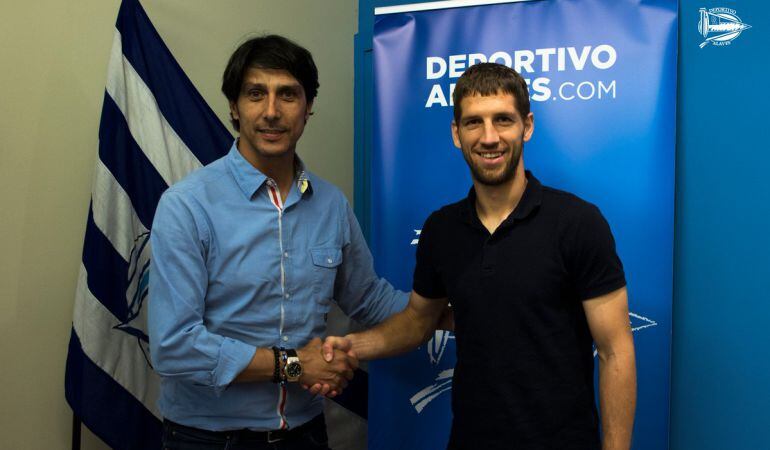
309 436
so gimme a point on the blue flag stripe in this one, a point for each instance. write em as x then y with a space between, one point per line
106 270
179 101
124 423
128 164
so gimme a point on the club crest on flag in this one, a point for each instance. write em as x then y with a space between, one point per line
135 322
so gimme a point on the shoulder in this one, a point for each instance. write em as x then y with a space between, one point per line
580 225
448 213
200 179
323 188
568 208
326 195
441 223
189 192
567 201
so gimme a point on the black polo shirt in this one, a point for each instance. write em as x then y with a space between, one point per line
524 373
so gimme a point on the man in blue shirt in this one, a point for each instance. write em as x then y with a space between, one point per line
248 254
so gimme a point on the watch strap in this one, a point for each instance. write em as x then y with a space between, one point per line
291 365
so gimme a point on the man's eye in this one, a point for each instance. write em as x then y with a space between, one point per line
256 94
472 123
289 95
504 120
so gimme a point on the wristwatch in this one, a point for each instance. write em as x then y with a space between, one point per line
293 368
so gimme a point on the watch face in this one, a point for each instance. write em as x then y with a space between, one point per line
293 370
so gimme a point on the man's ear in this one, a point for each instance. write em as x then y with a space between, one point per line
455 134
529 126
308 111
234 111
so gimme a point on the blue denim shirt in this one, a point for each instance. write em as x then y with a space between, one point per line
231 272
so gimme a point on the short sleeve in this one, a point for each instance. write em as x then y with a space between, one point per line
427 277
590 254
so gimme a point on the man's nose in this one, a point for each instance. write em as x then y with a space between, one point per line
490 137
272 109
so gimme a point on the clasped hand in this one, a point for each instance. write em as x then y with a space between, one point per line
327 367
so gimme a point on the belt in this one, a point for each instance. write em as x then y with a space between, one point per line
245 434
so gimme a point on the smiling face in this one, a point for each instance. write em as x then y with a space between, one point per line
272 111
491 134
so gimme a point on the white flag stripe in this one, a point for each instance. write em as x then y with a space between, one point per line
159 142
113 211
114 352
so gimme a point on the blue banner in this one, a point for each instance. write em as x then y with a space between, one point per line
602 79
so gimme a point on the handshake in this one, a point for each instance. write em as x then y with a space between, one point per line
327 365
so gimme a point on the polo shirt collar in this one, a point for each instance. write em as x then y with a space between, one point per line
249 179
530 200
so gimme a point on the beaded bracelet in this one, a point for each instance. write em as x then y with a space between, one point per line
277 369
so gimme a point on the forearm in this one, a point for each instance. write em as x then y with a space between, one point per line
617 398
261 367
200 357
401 333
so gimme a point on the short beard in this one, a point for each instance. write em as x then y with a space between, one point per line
508 174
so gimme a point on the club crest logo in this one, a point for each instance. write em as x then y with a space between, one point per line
135 321
720 26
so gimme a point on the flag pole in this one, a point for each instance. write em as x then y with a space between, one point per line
75 432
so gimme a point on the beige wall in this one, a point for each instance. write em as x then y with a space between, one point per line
54 62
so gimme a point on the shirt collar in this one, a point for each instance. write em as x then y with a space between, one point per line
530 200
249 179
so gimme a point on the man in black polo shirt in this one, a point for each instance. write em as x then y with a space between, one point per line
534 280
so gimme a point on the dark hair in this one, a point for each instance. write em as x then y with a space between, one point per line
270 52
488 79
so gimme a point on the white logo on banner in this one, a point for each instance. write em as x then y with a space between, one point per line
417 239
720 26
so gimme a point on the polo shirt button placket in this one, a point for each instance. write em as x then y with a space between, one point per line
487 265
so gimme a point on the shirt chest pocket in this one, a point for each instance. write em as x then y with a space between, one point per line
325 261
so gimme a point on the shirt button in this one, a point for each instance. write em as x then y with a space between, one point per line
328 260
285 254
285 338
286 295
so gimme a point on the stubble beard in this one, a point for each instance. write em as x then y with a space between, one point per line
488 178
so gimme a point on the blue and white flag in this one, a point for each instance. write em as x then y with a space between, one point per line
155 128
